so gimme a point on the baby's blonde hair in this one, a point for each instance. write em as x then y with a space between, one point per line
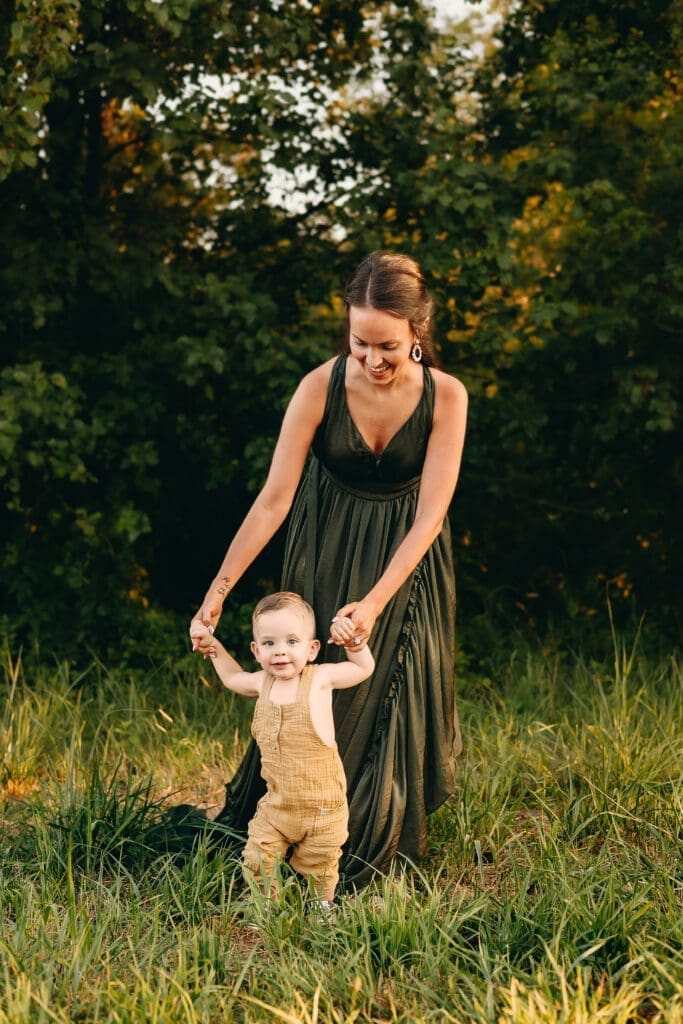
283 599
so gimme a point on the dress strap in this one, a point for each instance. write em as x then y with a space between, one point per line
429 392
313 484
339 369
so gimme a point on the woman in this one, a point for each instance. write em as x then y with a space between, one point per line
369 538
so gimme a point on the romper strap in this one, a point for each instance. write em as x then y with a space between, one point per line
267 686
305 685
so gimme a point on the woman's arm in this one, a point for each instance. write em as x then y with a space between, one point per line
439 477
301 420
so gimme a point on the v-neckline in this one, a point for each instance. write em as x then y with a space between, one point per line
379 455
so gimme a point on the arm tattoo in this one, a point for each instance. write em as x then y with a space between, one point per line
225 586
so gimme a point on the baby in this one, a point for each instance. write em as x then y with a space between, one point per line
305 805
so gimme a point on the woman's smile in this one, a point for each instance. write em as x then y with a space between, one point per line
378 371
380 342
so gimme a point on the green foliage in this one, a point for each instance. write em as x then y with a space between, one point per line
546 206
580 430
114 825
37 43
184 188
157 308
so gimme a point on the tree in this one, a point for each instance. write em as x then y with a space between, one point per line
581 108
184 188
157 300
543 198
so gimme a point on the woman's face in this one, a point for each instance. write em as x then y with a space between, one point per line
380 343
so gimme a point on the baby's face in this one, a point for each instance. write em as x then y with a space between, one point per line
283 642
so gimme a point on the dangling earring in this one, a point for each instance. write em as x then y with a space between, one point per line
416 352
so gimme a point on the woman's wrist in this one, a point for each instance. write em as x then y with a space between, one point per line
375 603
222 585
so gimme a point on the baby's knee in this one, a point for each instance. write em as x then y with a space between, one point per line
320 866
260 868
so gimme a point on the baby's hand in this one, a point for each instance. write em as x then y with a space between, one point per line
341 632
201 637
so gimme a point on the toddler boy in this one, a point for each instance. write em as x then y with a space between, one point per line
305 803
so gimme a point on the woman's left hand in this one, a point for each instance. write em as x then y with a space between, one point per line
363 615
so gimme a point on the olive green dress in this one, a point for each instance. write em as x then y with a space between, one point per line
398 732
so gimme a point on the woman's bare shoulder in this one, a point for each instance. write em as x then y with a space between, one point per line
314 384
448 387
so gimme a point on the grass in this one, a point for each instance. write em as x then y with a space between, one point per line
551 895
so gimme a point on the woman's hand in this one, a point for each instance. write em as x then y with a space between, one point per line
341 632
208 615
363 615
201 637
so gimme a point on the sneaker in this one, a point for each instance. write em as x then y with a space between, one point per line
324 907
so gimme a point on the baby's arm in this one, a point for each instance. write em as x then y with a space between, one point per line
359 666
360 663
229 671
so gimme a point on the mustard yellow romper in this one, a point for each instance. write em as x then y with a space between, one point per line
305 803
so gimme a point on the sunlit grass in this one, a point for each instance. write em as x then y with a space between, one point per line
552 891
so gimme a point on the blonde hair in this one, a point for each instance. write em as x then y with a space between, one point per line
283 599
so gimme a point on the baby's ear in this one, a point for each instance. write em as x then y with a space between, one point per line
313 652
253 647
